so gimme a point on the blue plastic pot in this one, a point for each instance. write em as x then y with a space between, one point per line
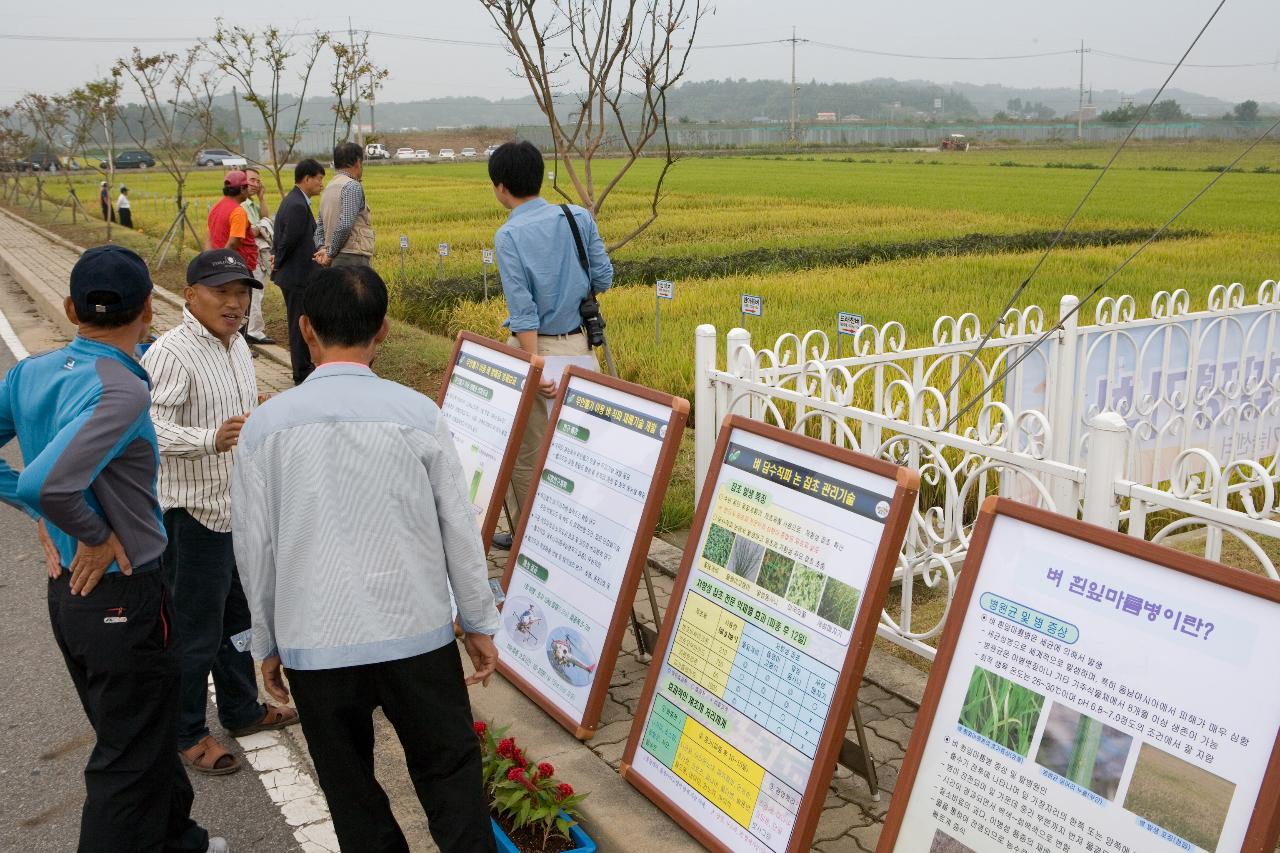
584 842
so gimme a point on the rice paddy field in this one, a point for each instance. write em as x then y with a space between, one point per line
902 236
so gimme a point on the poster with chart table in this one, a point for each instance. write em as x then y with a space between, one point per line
581 545
1093 691
771 619
485 397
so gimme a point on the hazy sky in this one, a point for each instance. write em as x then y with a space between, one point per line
1244 32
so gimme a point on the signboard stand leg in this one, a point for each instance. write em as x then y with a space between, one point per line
857 756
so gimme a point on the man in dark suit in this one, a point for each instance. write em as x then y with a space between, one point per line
293 251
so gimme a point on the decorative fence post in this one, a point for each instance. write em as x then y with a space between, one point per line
1105 464
1061 384
705 413
737 361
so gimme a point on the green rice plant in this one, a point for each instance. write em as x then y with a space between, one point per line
839 603
718 545
1001 711
806 587
1084 753
745 559
775 572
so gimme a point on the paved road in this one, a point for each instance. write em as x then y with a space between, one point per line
46 737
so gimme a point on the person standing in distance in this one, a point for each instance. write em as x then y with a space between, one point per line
229 226
344 229
203 389
255 208
80 414
122 205
292 256
104 201
543 280
352 524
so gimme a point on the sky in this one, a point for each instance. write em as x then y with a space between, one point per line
1160 30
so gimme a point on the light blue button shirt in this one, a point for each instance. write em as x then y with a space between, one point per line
542 278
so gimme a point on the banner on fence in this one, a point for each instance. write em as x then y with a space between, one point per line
583 540
1192 382
1122 689
763 647
486 396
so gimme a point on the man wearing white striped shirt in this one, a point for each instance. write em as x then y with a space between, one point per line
203 388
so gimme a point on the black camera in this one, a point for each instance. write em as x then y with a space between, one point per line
592 321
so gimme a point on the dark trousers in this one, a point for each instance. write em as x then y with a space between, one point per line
118 645
126 217
299 352
208 601
108 212
425 699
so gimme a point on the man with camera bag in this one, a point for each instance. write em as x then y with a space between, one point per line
552 262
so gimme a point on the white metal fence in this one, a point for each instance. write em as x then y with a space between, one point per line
1123 421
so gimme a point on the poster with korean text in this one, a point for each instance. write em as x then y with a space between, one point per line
583 540
1094 692
486 395
763 647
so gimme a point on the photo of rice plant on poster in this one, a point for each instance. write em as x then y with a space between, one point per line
1189 801
1079 748
1001 711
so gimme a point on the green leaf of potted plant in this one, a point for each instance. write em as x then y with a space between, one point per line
531 811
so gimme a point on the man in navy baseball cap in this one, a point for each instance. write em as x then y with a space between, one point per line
220 266
107 282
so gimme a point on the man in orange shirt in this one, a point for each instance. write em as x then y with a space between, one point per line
229 225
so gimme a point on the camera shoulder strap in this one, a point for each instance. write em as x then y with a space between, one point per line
577 239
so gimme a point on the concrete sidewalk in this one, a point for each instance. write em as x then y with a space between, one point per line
615 814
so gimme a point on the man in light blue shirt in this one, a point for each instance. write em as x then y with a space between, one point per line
351 523
546 273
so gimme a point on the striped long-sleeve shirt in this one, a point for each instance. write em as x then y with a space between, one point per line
196 385
352 523
352 200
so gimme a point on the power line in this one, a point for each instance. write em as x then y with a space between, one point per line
871 52
1052 330
1186 64
1021 288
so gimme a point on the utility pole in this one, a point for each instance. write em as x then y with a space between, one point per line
1080 108
793 137
235 101
355 84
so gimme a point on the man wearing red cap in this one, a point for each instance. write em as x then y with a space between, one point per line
229 225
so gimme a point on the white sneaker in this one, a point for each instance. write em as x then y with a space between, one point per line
218 845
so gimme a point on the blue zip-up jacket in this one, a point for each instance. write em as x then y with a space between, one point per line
82 418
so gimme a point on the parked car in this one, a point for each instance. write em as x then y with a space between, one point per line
131 159
422 154
376 151
40 161
446 154
488 152
404 153
212 156
467 153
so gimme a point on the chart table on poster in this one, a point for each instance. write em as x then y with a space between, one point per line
783 690
763 627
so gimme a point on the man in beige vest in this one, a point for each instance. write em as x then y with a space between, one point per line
344 231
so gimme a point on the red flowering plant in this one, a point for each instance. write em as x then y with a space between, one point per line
525 792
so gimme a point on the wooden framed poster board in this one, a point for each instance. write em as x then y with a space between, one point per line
486 395
582 542
1136 698
770 623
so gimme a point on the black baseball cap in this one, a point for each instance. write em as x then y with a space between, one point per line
109 280
220 266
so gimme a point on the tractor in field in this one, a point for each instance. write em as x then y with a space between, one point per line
954 142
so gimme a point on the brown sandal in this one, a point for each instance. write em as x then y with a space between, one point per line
209 757
275 717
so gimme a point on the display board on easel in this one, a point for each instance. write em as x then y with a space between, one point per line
581 545
1091 686
486 395
771 620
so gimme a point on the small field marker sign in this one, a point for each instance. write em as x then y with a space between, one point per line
752 306
404 247
443 249
486 261
846 324
665 289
